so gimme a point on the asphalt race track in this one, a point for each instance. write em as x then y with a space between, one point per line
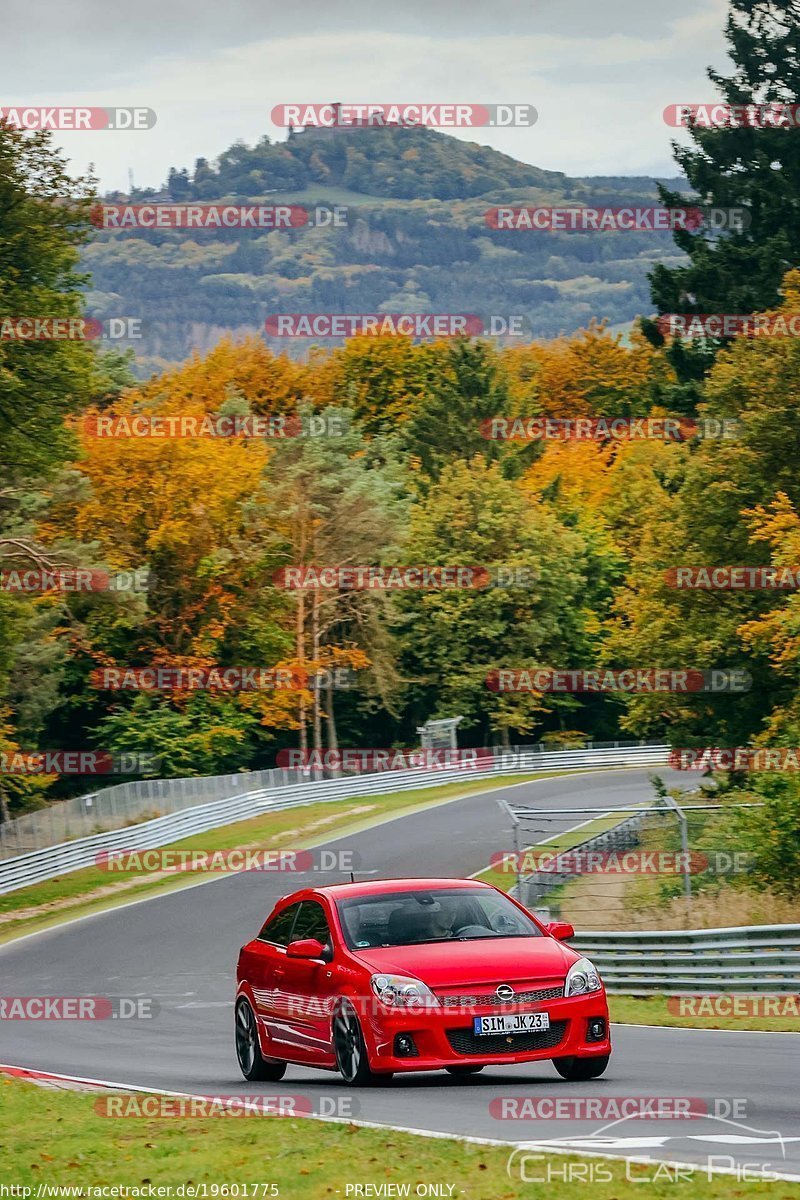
181 950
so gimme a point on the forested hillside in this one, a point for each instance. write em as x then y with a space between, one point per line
416 240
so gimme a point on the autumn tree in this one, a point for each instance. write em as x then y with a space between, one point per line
176 506
454 637
44 220
381 379
334 500
736 498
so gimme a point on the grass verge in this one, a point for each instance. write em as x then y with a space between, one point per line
94 889
58 1138
654 1010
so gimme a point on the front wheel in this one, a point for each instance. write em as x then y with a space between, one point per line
252 1064
578 1070
350 1048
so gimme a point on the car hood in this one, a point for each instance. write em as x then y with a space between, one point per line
484 960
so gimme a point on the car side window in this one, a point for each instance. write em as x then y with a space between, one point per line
312 923
278 930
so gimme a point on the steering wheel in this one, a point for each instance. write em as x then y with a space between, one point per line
504 924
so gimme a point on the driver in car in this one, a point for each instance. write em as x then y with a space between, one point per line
440 923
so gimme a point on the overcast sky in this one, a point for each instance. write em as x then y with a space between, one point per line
599 75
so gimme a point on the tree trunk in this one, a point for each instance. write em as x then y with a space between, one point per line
315 654
300 650
300 628
330 720
5 814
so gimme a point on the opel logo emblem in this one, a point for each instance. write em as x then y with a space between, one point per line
505 991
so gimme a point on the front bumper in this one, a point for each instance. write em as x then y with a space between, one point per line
444 1038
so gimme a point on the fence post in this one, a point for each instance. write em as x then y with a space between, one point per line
684 828
518 852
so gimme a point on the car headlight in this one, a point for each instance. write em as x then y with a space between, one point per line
400 991
582 977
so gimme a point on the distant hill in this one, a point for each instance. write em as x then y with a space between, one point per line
416 241
400 164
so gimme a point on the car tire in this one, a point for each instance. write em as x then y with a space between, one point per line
578 1070
350 1048
461 1072
252 1063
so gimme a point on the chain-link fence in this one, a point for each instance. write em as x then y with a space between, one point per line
659 865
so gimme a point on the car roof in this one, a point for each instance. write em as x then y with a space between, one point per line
377 887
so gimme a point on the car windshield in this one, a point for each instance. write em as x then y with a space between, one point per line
411 918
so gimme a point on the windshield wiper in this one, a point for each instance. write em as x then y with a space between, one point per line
481 937
475 937
422 942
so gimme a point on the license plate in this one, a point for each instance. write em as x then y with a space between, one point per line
510 1023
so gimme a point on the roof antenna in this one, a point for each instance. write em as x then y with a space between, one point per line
352 877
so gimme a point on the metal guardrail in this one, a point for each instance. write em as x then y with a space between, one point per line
59 859
124 804
757 958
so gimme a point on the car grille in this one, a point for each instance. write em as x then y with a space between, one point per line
492 1000
464 1041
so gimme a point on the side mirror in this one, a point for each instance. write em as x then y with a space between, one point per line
561 930
306 948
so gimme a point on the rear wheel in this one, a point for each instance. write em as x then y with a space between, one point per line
350 1048
252 1064
577 1070
461 1071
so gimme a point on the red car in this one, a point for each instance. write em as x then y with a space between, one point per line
415 975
